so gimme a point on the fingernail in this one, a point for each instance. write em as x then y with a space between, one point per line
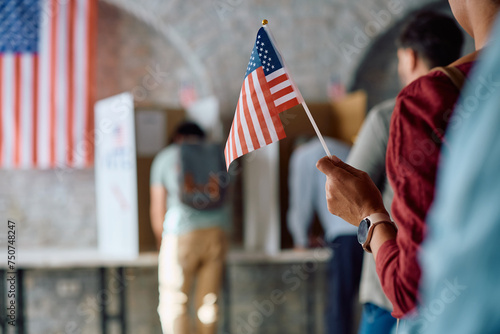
334 158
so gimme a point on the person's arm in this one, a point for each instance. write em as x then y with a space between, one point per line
158 195
157 210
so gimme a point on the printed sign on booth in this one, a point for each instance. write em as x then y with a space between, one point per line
116 176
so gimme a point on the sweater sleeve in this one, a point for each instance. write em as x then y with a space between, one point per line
417 127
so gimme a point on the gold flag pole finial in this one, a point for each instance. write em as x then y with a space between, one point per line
264 22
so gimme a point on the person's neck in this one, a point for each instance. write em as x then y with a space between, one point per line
419 72
482 22
482 38
481 34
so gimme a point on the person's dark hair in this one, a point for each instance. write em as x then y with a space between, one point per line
436 38
189 129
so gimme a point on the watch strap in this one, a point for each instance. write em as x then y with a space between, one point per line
376 219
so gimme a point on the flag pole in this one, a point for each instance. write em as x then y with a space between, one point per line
303 103
311 119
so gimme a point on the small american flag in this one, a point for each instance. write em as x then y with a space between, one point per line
267 90
46 76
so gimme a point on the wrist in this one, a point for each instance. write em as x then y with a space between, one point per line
381 234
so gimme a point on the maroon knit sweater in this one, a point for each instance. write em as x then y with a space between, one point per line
418 124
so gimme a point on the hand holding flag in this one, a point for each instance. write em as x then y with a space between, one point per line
267 90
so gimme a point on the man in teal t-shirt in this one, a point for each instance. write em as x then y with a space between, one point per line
192 243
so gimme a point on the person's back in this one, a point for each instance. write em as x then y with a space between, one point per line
307 193
417 129
181 218
307 197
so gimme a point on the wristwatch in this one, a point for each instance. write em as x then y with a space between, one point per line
365 228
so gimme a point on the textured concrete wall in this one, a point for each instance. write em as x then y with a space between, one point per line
51 208
275 299
264 298
70 301
62 301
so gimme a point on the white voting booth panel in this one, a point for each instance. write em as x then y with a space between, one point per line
116 177
261 212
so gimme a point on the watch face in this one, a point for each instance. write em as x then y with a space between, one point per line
363 231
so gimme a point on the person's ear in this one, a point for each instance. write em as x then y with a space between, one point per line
413 59
178 138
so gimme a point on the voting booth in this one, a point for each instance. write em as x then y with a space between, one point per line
116 177
127 139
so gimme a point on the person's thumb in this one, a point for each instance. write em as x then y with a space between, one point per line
326 165
330 165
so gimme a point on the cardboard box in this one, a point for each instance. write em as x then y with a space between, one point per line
348 114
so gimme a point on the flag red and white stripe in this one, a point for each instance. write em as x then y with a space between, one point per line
263 96
284 94
46 97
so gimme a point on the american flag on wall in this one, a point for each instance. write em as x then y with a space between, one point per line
267 90
46 78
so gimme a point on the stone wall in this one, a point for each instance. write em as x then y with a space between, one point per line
259 298
51 208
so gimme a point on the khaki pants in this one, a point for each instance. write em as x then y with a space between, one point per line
199 255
